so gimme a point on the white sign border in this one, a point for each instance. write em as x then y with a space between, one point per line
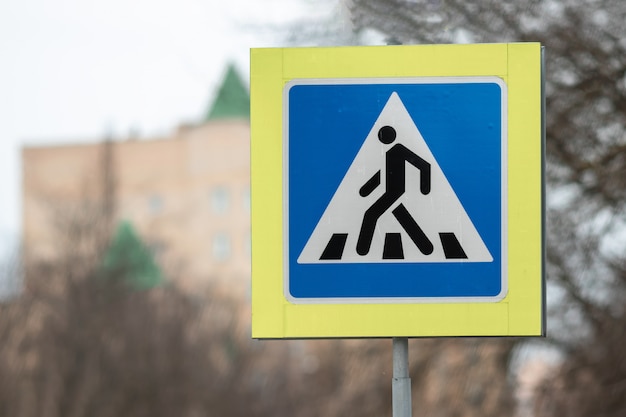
503 192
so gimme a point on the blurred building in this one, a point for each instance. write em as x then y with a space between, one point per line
187 195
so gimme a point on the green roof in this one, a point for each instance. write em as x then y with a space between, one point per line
129 260
232 100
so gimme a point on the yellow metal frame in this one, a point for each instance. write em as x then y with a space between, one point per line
520 313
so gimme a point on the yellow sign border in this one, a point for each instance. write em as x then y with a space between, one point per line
520 313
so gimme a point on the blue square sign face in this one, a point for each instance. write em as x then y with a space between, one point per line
395 190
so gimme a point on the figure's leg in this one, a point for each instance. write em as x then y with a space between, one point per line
415 232
370 218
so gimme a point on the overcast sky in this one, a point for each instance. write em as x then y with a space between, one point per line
76 70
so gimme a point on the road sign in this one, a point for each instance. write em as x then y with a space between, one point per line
410 214
398 184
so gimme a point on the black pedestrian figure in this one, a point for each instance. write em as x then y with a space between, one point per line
395 186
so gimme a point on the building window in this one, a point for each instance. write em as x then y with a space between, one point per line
246 199
220 200
157 248
221 247
248 245
155 203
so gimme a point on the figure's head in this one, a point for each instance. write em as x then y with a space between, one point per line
387 134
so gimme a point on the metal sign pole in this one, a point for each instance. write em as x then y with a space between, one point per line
401 382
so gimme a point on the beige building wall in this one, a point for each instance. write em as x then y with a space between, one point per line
187 195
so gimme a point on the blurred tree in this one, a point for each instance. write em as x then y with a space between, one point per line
233 98
129 259
585 44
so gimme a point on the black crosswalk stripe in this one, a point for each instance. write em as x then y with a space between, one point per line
392 248
335 246
451 247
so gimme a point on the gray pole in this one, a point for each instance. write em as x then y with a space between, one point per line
401 383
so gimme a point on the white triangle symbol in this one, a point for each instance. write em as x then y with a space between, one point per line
416 221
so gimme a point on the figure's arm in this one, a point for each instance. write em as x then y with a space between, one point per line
424 176
370 185
424 168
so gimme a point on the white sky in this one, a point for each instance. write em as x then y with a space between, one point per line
75 70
